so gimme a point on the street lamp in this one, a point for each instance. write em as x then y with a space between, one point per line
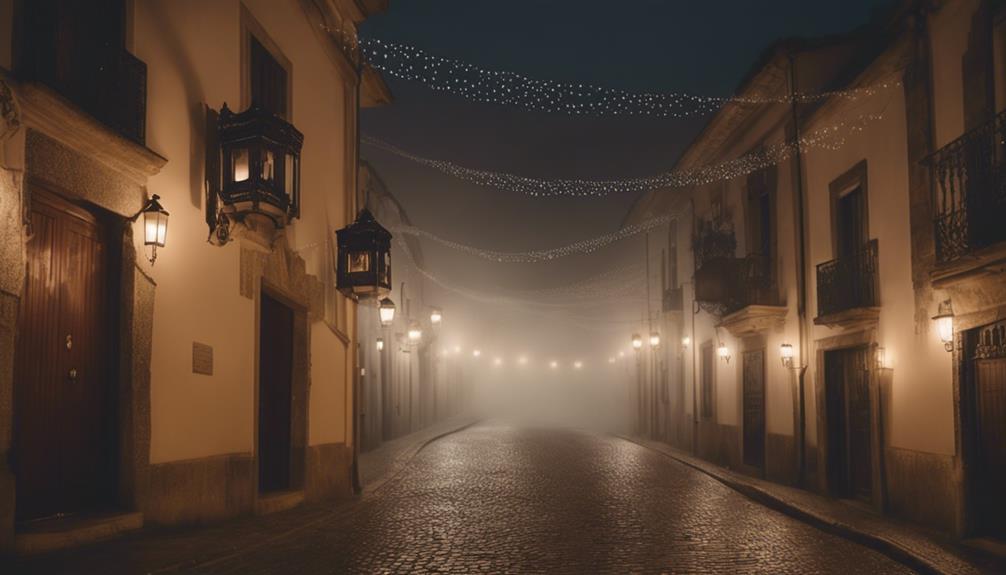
724 352
637 341
685 342
415 333
945 324
621 354
476 353
611 360
155 225
436 316
380 344
498 362
654 339
522 360
553 364
577 364
786 355
363 259
386 311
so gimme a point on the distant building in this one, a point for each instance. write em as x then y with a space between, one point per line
843 255
219 381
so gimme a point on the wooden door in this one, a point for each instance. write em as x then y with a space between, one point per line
65 419
275 398
754 408
990 411
849 427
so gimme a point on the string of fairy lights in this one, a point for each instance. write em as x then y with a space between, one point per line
827 137
585 246
501 87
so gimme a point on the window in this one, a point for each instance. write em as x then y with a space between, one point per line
760 214
706 395
672 254
849 212
268 78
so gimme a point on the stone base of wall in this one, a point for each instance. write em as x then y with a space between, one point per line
922 487
329 468
719 444
201 490
780 460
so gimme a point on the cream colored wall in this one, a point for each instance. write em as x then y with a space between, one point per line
949 29
193 56
921 410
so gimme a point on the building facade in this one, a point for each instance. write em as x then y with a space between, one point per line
212 376
811 344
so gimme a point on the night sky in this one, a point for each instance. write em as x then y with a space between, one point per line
701 47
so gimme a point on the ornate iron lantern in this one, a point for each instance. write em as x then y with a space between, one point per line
386 311
261 165
155 225
364 258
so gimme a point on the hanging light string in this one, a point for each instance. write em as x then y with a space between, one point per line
829 137
537 256
506 88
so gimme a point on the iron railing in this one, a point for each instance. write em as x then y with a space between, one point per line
970 191
848 282
726 285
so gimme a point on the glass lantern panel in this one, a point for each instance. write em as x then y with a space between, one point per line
288 172
155 228
240 164
359 262
268 166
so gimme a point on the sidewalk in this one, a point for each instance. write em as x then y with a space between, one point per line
380 465
923 550
195 548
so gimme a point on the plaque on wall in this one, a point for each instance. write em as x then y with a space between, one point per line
202 358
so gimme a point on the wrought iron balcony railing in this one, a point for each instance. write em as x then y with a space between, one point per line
726 285
849 282
970 191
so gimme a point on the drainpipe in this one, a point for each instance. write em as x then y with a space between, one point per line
801 245
357 486
695 386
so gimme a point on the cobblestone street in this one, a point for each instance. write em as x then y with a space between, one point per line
498 498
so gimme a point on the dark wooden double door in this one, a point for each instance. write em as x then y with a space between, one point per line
64 389
849 428
754 408
989 393
275 398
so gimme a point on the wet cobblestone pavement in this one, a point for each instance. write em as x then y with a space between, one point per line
502 499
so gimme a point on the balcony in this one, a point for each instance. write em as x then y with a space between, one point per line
847 289
970 199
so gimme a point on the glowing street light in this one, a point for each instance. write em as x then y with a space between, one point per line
786 354
577 364
553 364
724 352
457 349
685 342
637 341
611 360
386 310
522 360
654 339
498 361
621 355
476 353
945 324
415 333
436 316
380 344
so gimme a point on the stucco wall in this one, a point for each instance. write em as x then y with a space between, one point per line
193 54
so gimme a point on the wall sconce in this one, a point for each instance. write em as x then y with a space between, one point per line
261 165
386 311
611 360
786 355
945 324
155 225
577 365
637 342
380 344
363 259
654 339
882 358
553 364
723 351
415 333
476 353
685 342
436 316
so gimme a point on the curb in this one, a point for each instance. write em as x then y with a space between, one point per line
403 460
890 548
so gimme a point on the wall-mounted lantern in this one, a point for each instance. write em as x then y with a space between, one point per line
723 352
415 333
786 355
476 353
386 311
436 316
637 342
611 360
945 324
654 340
578 365
261 165
155 225
363 269
553 364
685 342
380 344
